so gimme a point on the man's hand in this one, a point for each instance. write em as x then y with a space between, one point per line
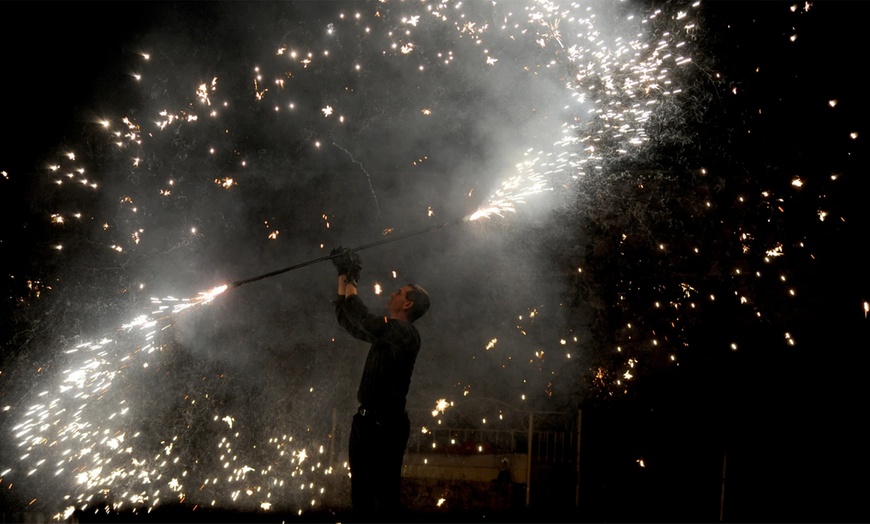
354 266
340 260
347 263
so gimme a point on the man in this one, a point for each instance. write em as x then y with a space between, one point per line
380 430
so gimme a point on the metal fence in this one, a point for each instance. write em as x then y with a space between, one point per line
542 447
547 446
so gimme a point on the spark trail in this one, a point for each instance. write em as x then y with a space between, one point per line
368 177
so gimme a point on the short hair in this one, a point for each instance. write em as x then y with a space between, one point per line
420 298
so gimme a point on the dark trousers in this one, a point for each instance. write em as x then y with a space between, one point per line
376 451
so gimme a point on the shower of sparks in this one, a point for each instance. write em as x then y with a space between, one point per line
203 298
513 191
81 428
628 80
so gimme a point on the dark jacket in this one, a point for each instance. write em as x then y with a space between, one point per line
394 346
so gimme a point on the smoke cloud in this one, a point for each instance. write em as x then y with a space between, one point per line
242 138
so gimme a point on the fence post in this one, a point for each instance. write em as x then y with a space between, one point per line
577 460
332 441
722 493
529 460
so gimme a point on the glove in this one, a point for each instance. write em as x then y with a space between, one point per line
354 267
340 260
347 263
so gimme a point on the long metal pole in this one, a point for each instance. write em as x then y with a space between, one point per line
360 248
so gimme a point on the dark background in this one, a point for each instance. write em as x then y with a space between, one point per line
789 419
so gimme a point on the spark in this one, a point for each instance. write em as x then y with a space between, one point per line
441 405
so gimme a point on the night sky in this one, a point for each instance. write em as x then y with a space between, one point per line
672 241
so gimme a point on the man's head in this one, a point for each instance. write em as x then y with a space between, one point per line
410 302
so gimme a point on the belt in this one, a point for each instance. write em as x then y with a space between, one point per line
380 413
